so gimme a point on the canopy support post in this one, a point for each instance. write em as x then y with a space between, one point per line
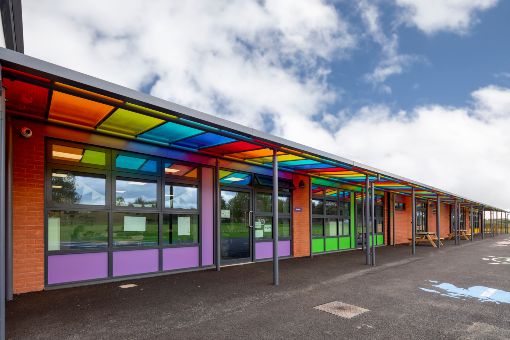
413 220
218 216
3 129
438 220
367 219
471 222
276 273
372 200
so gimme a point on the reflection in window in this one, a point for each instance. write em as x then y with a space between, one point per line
71 188
135 193
175 169
264 202
331 227
135 229
284 204
79 155
180 229
283 228
264 227
181 197
68 230
331 207
138 163
317 207
317 227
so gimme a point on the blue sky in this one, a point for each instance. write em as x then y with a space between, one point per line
415 87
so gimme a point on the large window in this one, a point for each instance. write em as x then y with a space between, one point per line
421 216
102 199
263 218
331 212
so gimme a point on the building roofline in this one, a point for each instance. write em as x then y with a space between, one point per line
59 73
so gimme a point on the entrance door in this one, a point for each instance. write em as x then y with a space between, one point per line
236 226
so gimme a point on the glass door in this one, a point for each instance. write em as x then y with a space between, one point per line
236 226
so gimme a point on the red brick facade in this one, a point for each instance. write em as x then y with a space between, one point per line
301 219
28 209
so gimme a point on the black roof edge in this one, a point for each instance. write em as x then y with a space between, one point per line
12 22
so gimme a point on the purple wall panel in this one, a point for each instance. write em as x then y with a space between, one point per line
207 240
179 258
77 267
264 250
132 262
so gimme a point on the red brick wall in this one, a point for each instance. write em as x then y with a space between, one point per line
445 218
403 220
28 209
301 219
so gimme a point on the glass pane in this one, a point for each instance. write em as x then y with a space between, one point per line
180 229
68 230
264 202
283 228
235 230
128 123
284 204
70 188
137 163
344 229
78 155
263 227
136 194
135 229
317 207
317 227
181 197
174 169
331 207
236 178
331 227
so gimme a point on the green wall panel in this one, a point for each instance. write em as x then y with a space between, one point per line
353 220
380 239
331 244
317 245
345 242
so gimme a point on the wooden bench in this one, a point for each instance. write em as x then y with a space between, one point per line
427 238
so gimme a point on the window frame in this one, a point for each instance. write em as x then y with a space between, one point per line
339 217
257 213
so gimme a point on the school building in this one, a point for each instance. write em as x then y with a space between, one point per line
100 183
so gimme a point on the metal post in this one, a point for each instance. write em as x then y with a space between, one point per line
2 212
483 223
413 220
276 274
457 222
367 219
218 217
471 221
438 221
492 223
372 200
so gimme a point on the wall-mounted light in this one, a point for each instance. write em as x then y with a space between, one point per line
301 184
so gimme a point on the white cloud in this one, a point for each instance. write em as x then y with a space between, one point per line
251 60
432 16
392 62
234 58
464 150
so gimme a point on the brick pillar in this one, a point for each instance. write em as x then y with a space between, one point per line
301 219
28 209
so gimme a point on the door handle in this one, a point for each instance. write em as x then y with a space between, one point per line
250 219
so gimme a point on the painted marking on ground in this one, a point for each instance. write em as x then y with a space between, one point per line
504 243
128 285
341 309
497 259
482 293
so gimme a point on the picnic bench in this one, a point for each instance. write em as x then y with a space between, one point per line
427 238
462 233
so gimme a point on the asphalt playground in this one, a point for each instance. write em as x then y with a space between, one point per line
456 292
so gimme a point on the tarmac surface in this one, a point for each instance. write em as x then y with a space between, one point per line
456 292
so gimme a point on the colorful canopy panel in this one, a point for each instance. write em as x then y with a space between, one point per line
60 103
